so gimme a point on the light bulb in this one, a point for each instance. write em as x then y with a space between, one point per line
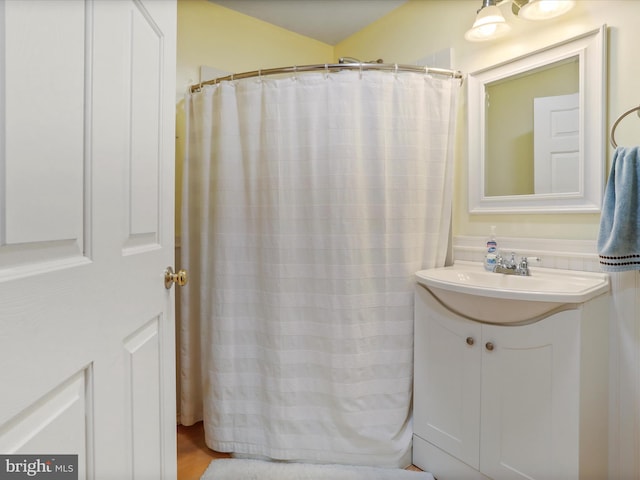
544 9
489 24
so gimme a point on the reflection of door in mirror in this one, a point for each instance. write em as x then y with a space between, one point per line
556 144
509 155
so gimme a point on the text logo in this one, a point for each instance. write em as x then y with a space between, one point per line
49 467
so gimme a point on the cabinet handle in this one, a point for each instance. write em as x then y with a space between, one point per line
470 341
489 346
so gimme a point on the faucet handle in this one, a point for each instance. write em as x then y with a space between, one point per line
535 260
523 267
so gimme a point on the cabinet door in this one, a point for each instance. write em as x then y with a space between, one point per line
447 379
530 399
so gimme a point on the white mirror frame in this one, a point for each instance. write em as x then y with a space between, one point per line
590 48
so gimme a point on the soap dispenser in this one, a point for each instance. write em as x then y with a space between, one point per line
491 257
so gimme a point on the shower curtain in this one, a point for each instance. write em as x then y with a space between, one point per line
309 201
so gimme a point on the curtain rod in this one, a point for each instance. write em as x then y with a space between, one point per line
330 67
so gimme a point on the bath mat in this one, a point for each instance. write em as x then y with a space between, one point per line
240 469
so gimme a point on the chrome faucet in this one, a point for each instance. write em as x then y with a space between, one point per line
512 267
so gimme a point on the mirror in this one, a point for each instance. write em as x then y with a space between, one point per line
537 130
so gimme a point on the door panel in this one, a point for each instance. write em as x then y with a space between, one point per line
447 369
86 231
146 45
43 156
144 350
37 427
530 380
42 159
557 144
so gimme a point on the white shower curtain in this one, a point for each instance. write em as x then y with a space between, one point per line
309 202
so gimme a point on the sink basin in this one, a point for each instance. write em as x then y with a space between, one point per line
467 289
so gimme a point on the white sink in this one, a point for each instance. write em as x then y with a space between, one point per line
467 289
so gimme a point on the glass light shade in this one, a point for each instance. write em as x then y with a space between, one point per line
544 9
489 24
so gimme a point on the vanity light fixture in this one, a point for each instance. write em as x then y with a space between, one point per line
540 9
490 23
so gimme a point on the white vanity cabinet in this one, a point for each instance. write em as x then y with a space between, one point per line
511 401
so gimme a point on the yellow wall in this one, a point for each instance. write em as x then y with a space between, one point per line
218 37
422 27
215 36
209 34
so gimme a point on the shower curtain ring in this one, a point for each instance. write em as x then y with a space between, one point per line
326 71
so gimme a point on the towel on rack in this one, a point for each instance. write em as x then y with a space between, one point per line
619 236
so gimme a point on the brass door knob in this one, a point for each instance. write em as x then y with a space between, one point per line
170 277
489 346
470 341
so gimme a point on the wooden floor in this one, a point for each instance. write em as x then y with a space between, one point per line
194 456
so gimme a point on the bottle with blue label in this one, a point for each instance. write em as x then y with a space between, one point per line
491 258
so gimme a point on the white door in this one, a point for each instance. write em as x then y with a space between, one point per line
86 231
556 144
